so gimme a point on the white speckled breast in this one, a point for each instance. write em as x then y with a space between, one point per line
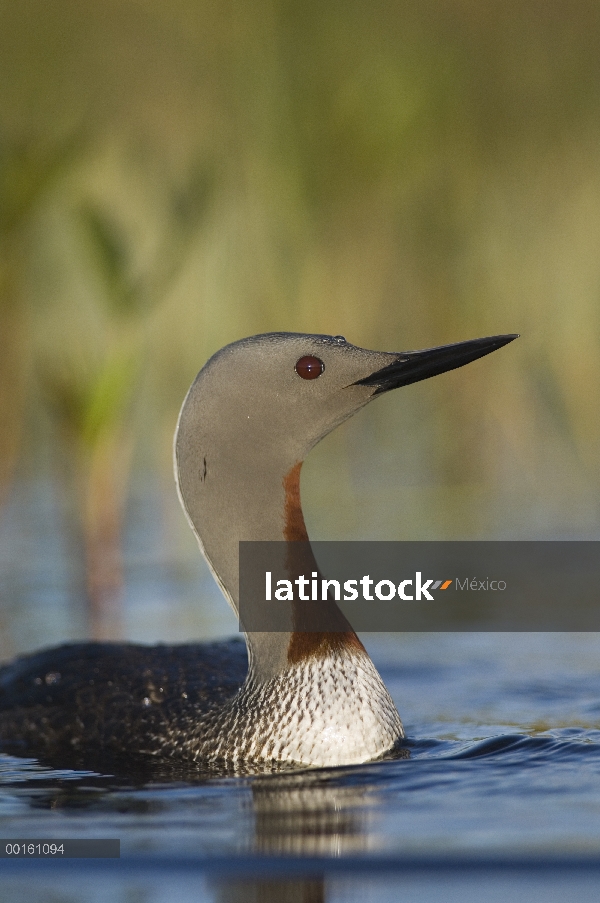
325 711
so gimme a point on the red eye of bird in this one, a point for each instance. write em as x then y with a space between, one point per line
309 367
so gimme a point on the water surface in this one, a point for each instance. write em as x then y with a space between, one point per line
502 765
498 786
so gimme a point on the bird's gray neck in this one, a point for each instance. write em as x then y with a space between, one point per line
229 505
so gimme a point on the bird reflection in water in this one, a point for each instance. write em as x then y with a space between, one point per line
317 814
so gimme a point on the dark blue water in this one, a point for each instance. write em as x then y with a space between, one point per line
498 795
500 787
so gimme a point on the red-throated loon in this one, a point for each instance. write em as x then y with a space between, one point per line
251 416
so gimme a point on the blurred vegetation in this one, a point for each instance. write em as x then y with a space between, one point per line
174 177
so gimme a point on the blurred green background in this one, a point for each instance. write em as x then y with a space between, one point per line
176 176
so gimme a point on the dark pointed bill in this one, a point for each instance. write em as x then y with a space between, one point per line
413 366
